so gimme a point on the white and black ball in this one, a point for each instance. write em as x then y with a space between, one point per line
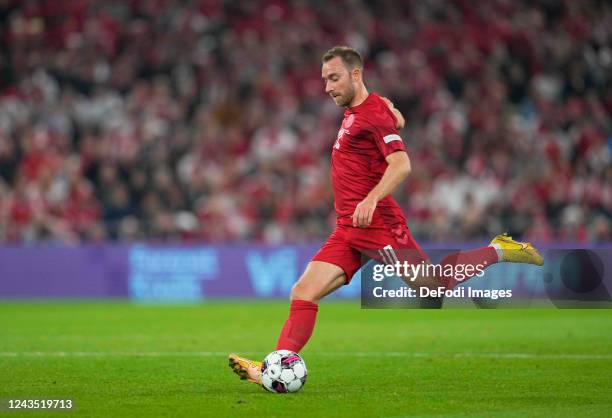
283 371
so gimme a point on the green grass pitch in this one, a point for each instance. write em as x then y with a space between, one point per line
121 359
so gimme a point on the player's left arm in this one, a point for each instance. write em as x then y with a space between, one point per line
397 171
400 121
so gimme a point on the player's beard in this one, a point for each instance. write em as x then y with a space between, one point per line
347 98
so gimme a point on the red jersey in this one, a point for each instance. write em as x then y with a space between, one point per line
368 134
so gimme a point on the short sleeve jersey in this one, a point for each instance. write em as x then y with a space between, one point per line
368 135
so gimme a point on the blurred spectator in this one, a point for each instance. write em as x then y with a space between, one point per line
206 119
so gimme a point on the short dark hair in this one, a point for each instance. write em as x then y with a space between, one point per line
349 56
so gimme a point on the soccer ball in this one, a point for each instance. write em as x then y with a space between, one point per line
283 371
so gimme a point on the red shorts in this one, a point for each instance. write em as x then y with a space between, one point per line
347 244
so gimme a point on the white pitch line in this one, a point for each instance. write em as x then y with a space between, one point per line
518 356
113 354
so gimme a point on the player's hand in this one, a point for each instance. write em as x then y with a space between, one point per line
364 212
401 122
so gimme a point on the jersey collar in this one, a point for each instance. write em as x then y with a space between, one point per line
356 109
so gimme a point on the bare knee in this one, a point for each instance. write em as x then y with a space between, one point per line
319 279
301 291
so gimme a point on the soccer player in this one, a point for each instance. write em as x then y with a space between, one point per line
369 161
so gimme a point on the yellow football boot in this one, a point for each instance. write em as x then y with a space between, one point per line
247 369
515 251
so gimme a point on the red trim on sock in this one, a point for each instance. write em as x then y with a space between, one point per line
297 305
298 328
485 256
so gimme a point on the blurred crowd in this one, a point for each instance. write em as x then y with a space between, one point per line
207 119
